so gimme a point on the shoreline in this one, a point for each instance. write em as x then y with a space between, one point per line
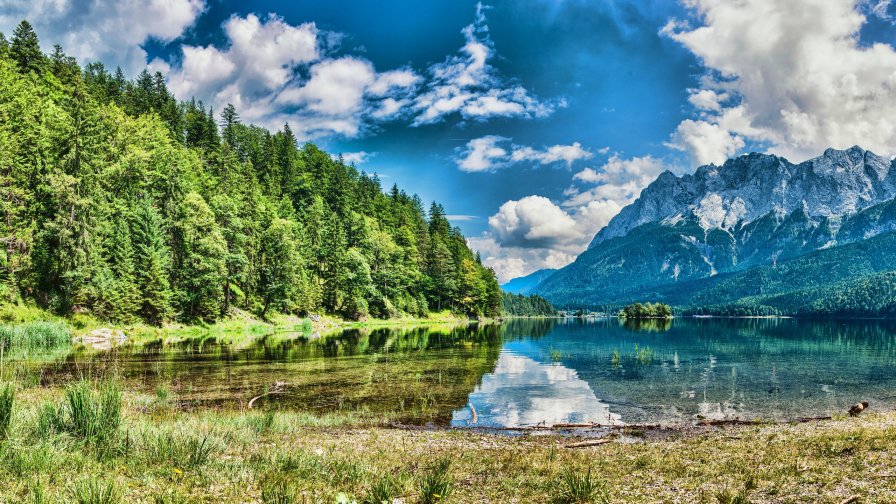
161 454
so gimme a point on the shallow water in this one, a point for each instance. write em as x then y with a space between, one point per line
527 372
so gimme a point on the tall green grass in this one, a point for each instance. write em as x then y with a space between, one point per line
94 491
7 398
86 414
35 335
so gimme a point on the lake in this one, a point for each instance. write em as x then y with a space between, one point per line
524 372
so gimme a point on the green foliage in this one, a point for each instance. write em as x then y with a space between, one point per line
519 305
649 310
123 203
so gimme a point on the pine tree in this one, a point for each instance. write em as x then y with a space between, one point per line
203 268
151 258
25 49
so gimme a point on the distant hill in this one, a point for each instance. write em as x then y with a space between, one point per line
525 284
757 235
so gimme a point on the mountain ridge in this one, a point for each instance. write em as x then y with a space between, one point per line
754 211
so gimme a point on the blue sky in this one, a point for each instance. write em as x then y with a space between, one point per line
532 121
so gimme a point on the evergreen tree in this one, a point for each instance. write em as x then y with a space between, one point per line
202 268
151 258
25 48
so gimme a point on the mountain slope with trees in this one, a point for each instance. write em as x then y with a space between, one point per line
119 200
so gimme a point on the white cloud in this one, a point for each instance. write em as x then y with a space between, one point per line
487 153
566 153
111 31
533 221
357 158
483 154
798 81
534 233
468 85
706 142
274 72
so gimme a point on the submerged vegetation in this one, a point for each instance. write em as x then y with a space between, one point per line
518 305
122 202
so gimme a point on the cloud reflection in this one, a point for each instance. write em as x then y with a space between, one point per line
524 392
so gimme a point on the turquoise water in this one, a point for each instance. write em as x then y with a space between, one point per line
525 373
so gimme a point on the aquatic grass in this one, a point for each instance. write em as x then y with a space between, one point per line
7 399
437 483
35 335
577 487
95 491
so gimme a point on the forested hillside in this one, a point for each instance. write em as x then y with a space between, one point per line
121 201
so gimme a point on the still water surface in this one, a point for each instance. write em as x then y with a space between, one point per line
528 372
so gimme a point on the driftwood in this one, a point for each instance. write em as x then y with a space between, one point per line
850 500
277 388
590 442
475 415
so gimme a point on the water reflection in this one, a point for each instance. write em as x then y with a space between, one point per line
524 392
525 371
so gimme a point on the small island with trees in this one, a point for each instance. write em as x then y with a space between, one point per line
646 311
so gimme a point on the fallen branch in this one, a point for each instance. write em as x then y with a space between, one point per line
590 442
850 500
278 388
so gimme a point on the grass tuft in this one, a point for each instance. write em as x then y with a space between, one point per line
95 491
278 490
575 487
437 484
383 491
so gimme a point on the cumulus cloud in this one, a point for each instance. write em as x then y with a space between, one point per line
483 154
111 31
492 152
274 72
466 84
799 81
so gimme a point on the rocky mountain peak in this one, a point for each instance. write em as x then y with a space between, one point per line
748 187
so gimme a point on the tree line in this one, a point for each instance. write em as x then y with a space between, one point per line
119 200
648 310
518 305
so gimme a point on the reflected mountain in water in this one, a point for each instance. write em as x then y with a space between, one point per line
524 392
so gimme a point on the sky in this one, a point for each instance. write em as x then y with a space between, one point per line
532 121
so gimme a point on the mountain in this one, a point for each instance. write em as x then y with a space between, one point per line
745 237
525 284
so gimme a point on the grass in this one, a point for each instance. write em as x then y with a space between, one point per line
95 491
175 456
35 335
437 483
7 398
580 487
86 414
